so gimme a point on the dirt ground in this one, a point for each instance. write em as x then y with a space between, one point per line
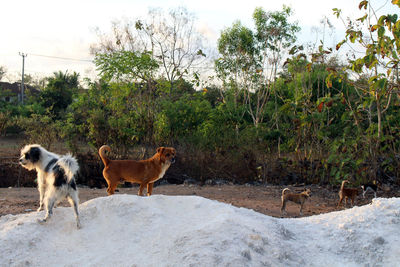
263 199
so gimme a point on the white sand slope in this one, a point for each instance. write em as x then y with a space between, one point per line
126 230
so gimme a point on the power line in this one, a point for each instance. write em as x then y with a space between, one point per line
63 58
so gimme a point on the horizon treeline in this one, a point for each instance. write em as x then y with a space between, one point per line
277 112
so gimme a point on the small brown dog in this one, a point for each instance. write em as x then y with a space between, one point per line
346 193
143 172
299 198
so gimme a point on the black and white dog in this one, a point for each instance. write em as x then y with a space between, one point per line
55 177
369 187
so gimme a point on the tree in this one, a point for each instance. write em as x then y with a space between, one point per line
236 65
374 70
35 81
380 40
170 39
250 59
126 66
58 93
274 35
3 71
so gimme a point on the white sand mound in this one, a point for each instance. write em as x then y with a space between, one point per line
126 230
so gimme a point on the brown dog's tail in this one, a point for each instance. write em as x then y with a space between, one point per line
343 182
284 191
103 156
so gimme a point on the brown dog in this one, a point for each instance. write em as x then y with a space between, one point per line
143 172
299 198
346 193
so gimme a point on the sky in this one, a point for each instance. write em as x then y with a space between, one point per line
56 35
128 230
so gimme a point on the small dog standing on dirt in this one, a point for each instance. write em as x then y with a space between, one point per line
299 198
55 177
370 187
346 193
143 172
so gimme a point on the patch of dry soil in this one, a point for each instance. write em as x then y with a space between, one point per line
263 199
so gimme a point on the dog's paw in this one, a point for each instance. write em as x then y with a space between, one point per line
42 221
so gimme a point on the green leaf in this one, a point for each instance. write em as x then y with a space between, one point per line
381 31
363 4
362 18
381 84
382 20
340 44
337 12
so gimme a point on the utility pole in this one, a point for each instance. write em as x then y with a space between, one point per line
22 80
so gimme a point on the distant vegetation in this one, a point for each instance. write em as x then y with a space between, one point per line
276 113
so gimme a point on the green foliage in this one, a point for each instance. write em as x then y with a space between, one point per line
110 113
274 30
236 46
4 121
59 91
40 129
126 65
250 59
180 119
312 120
164 42
11 114
376 87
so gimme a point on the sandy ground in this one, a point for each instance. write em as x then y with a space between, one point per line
263 199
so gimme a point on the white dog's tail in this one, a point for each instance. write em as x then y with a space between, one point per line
69 164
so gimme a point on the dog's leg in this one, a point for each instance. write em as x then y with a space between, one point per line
74 201
49 208
111 188
141 188
283 207
150 189
370 189
340 202
42 190
301 209
111 184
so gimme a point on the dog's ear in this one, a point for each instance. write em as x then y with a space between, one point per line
160 150
34 154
